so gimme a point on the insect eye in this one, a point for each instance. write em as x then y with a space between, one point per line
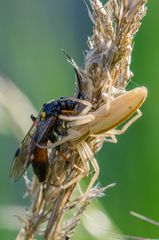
43 115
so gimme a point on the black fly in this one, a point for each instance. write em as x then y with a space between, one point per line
46 127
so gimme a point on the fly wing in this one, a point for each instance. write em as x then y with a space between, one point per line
21 158
37 134
43 129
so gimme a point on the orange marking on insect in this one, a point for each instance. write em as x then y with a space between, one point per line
67 112
40 155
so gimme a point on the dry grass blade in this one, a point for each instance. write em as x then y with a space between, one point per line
101 87
146 219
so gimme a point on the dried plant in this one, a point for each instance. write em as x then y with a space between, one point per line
144 218
101 88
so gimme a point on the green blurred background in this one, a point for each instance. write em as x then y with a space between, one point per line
32 34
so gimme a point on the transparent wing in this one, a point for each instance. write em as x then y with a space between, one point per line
37 134
21 158
43 129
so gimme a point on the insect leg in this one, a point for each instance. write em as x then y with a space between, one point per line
73 181
127 125
80 169
33 118
77 120
72 134
90 156
79 117
83 157
84 102
84 171
86 154
112 139
109 137
87 108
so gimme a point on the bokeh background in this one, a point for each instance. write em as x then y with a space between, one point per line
32 34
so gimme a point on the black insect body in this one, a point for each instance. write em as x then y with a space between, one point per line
46 127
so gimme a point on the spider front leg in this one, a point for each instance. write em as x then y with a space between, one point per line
72 133
83 117
87 104
77 120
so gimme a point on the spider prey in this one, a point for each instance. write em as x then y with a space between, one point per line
47 127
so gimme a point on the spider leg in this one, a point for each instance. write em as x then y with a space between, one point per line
84 171
77 120
84 102
83 121
79 117
112 139
127 125
73 181
109 137
113 132
84 157
83 117
86 154
72 134
90 156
